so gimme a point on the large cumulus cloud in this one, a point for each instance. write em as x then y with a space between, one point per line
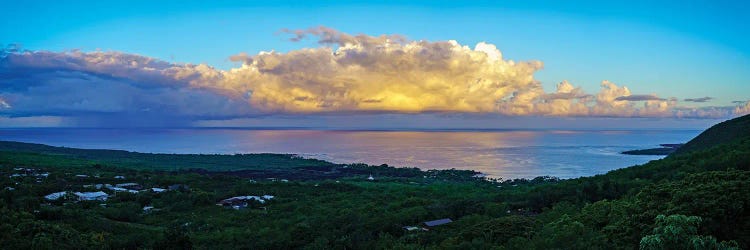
347 73
384 74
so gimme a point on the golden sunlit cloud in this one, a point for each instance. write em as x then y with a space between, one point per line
382 74
393 74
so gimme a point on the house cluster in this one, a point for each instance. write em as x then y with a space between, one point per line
122 187
20 172
126 187
88 196
80 196
89 192
240 202
130 187
425 226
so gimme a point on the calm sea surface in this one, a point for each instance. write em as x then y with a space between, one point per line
506 153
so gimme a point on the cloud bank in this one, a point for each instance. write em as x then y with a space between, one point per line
346 74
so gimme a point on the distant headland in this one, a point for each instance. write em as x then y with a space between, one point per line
665 149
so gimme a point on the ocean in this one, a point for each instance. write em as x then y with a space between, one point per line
498 153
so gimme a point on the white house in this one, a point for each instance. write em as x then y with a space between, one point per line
92 196
238 202
55 196
119 189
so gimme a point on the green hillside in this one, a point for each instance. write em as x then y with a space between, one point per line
725 132
695 199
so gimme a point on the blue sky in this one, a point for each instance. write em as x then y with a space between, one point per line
681 49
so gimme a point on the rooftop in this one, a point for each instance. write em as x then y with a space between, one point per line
438 222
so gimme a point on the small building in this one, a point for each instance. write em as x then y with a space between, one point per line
92 196
148 209
239 202
414 228
120 177
25 169
55 196
130 185
119 189
179 187
439 222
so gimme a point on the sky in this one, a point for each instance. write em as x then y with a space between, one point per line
490 64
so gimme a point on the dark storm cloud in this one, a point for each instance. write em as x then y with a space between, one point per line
701 99
634 98
566 96
107 89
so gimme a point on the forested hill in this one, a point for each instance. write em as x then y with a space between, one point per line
725 132
697 199
169 162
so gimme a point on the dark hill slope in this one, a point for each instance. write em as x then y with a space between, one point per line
734 154
725 132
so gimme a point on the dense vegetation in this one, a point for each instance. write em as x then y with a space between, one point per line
725 132
696 199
